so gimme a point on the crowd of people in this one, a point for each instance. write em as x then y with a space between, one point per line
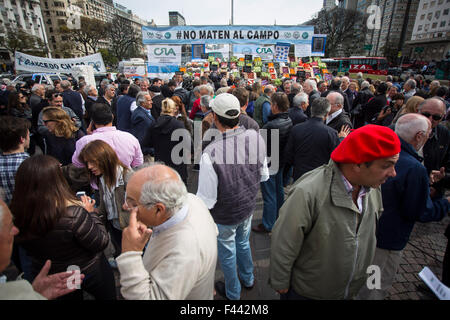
83 167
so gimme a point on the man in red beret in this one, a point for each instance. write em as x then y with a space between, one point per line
324 239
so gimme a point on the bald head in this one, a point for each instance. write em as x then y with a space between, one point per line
336 100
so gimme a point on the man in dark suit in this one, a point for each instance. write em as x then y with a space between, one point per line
336 86
345 89
337 117
142 119
310 143
299 106
157 98
73 100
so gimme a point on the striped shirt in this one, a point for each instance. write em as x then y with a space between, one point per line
9 163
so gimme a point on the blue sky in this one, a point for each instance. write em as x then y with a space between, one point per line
212 12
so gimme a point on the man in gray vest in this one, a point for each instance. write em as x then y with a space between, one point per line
231 168
262 106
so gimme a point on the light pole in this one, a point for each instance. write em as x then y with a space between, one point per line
45 39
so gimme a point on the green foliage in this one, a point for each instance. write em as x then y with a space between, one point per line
20 40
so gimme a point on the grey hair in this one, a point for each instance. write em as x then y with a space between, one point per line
365 84
170 192
207 87
145 80
299 99
36 87
104 82
337 97
411 83
88 88
359 75
205 100
320 107
269 88
409 125
109 86
197 89
296 88
223 82
346 79
312 83
222 90
140 98
65 84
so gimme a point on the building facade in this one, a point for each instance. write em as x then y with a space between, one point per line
25 15
176 19
430 38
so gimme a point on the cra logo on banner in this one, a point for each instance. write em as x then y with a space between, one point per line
164 51
260 50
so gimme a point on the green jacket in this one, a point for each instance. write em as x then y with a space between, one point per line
316 247
258 113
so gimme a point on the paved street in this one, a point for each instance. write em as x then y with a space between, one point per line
425 248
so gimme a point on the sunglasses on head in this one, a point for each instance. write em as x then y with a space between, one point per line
45 121
435 117
56 95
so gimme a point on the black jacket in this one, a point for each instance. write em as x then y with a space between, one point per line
297 115
61 148
73 100
346 102
341 120
159 137
313 95
283 124
374 106
310 145
78 238
157 105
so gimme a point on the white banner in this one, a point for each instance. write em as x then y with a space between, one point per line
164 54
302 50
223 49
26 62
265 52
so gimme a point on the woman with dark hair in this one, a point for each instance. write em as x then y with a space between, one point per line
109 174
18 105
62 134
55 225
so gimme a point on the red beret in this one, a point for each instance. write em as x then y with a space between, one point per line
366 144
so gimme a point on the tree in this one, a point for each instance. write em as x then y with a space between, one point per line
20 40
108 58
91 32
345 29
125 42
390 51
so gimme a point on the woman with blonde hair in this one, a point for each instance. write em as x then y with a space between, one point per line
62 134
411 106
181 113
110 175
159 137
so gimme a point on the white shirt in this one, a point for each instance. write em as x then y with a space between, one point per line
333 115
208 181
133 106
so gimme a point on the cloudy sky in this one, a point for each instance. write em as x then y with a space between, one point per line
212 12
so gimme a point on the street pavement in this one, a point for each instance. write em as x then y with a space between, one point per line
425 248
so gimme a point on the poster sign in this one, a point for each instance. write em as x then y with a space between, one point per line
282 52
26 62
264 52
302 50
318 45
198 51
226 34
218 50
164 54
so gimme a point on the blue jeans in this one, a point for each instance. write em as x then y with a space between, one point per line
233 248
273 196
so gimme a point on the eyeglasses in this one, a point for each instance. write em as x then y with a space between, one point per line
56 95
130 204
435 117
45 121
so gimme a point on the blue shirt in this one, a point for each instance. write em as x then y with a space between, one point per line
9 163
266 111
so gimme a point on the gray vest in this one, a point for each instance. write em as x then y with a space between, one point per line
239 176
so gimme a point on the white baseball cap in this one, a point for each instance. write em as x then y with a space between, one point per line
226 105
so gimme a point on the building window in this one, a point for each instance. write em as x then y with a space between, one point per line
432 4
422 17
437 14
434 25
427 26
442 24
430 16
425 5
419 28
445 13
440 1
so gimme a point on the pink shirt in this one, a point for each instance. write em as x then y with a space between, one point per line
125 144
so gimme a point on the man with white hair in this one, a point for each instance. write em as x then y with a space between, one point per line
108 97
406 199
409 89
262 106
346 90
144 84
92 96
337 118
142 119
310 87
364 95
180 259
299 105
196 112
